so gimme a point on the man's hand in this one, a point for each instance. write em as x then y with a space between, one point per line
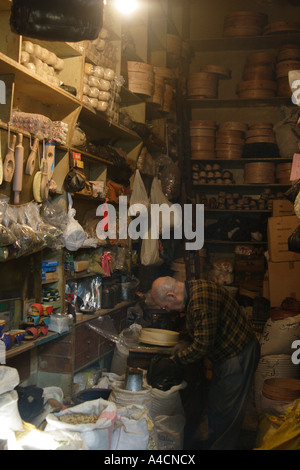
179 347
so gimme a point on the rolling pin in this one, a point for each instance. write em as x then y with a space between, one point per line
18 175
9 161
30 164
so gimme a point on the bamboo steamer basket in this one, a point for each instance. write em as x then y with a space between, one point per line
261 125
202 124
133 66
259 172
232 147
229 154
229 140
244 23
279 27
263 72
229 134
219 70
233 126
247 85
284 389
165 72
203 143
261 139
140 87
202 132
250 89
203 155
252 133
283 68
261 58
288 52
283 172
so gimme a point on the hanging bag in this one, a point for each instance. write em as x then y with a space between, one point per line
57 20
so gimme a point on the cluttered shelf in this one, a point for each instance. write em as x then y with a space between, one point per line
51 336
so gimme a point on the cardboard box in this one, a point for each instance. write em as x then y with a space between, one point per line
282 207
279 230
283 281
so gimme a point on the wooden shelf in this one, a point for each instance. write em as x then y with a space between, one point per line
241 186
239 103
27 345
244 43
229 242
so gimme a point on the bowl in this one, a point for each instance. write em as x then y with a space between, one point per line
159 337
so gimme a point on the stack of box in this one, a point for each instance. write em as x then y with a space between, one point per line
49 271
283 265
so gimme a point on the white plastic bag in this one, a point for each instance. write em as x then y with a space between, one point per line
97 436
131 429
10 419
9 379
74 235
167 402
170 432
139 194
122 397
279 335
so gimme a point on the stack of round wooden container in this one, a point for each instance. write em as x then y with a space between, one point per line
259 172
279 27
244 23
140 78
202 139
202 85
288 58
283 171
260 132
205 83
230 140
258 76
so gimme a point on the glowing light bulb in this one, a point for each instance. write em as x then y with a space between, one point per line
126 6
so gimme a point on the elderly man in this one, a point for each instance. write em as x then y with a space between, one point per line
219 331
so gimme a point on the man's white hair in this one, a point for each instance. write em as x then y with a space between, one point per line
167 284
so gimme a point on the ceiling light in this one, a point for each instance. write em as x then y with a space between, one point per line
126 6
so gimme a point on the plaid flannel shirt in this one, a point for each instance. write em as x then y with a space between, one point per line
215 324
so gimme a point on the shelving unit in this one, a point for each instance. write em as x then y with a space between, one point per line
55 358
231 52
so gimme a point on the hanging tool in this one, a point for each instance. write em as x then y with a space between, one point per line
18 174
44 180
9 161
30 164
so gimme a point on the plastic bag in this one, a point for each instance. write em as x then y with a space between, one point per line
73 235
9 379
97 436
293 191
294 241
75 20
157 197
280 432
287 134
297 206
131 429
139 193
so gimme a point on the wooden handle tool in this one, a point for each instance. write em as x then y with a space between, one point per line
9 161
30 164
18 174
